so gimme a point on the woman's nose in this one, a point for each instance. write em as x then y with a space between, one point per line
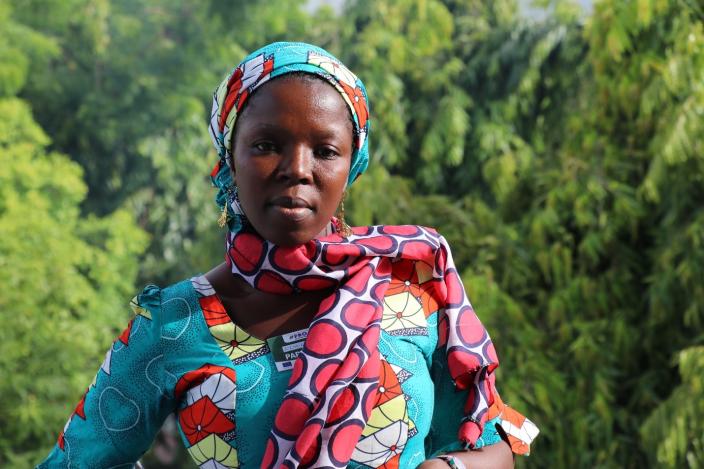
296 166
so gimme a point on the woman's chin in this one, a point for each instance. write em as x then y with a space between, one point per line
294 230
289 238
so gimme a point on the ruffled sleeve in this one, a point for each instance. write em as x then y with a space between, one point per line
122 409
468 410
503 422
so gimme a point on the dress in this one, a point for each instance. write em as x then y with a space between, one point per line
181 353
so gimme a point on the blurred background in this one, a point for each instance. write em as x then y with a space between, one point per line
558 146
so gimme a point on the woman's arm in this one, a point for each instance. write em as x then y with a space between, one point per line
124 407
496 456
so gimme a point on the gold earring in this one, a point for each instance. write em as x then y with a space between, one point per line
222 219
342 227
224 215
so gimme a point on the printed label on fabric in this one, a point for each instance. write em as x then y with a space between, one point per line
285 348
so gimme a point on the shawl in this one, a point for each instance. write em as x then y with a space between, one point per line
334 380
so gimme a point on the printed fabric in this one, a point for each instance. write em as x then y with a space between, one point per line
343 337
181 353
325 417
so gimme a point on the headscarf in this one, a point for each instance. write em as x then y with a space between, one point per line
276 59
334 379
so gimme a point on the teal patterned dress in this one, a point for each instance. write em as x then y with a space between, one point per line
182 354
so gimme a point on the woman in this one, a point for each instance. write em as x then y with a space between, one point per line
314 345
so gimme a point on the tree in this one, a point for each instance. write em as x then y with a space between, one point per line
573 204
66 278
137 123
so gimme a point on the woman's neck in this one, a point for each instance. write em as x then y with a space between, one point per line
262 314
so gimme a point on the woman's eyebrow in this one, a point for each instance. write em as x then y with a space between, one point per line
264 126
331 134
324 133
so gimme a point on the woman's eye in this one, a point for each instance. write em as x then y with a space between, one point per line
265 147
327 153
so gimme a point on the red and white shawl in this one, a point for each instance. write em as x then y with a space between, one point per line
334 380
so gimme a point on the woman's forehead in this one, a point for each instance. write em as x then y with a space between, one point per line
296 96
313 85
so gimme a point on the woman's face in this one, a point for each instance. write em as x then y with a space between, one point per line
292 152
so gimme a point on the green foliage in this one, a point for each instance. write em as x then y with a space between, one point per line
66 276
676 430
135 122
575 206
65 279
20 48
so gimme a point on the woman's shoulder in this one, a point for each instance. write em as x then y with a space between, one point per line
171 303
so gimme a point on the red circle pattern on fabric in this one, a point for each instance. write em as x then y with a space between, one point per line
351 366
298 371
400 230
325 339
309 443
343 405
289 418
323 375
334 381
272 282
295 261
340 449
270 453
469 328
379 244
247 252
311 283
358 314
370 370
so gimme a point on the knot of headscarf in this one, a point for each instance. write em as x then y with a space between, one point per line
276 59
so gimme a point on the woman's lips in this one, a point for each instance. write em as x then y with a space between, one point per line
292 208
293 214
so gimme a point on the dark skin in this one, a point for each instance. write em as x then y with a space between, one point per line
293 145
276 314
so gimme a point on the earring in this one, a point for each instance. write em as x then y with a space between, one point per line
342 227
222 219
224 215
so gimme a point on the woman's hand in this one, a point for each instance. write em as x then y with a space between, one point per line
434 463
496 456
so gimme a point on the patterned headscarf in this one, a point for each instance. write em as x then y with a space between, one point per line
276 59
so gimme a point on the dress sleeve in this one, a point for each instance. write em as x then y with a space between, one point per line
468 408
115 421
503 422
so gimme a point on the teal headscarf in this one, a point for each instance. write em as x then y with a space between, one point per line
280 58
